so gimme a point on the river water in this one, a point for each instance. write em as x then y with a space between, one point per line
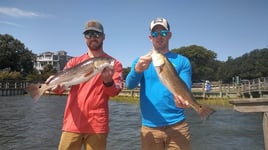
28 125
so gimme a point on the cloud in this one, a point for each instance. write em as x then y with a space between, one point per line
10 23
16 12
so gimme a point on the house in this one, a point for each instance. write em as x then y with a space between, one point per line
56 59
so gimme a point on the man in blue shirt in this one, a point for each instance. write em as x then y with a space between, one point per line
163 119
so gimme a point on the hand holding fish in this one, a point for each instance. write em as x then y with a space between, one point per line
56 89
180 102
143 62
107 75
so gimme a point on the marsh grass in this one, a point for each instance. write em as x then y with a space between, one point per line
213 102
129 99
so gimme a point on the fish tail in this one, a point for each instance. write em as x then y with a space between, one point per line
36 90
204 112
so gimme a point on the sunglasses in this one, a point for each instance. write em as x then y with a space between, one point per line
163 33
93 34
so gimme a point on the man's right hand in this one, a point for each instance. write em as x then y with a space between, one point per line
143 62
56 89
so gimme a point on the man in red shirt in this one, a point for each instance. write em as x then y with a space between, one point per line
86 118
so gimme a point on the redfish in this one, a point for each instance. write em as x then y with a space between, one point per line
170 79
81 72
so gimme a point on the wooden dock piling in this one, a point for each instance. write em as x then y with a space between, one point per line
254 105
12 87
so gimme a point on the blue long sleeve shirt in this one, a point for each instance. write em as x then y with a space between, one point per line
156 101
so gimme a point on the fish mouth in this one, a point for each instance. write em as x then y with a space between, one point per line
157 58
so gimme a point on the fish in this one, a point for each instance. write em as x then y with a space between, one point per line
170 79
77 74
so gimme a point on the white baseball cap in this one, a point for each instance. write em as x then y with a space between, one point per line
160 21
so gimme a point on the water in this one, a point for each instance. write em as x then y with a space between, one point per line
26 125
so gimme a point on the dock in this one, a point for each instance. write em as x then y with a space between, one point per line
12 87
256 88
259 105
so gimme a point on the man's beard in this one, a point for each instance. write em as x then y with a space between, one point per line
95 47
159 47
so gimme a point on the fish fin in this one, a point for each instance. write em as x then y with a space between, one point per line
36 90
205 111
89 73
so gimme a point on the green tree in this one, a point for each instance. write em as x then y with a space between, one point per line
248 66
34 77
203 61
15 56
48 71
7 75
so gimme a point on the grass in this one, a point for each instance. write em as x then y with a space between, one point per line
215 101
128 99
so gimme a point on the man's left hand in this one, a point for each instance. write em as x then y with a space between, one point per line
180 102
107 74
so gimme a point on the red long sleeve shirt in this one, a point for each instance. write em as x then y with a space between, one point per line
86 109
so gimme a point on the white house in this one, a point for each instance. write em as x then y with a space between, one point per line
56 59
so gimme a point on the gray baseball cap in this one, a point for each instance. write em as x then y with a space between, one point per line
93 25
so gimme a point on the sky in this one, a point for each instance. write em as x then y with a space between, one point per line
227 27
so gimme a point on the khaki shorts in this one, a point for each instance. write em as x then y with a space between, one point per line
173 137
74 141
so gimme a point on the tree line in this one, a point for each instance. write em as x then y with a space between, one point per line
205 66
16 62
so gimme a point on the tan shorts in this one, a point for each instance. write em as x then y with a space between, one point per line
173 137
75 141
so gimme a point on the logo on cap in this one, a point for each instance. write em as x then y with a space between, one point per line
159 21
93 25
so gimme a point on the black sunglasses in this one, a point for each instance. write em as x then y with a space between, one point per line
93 34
